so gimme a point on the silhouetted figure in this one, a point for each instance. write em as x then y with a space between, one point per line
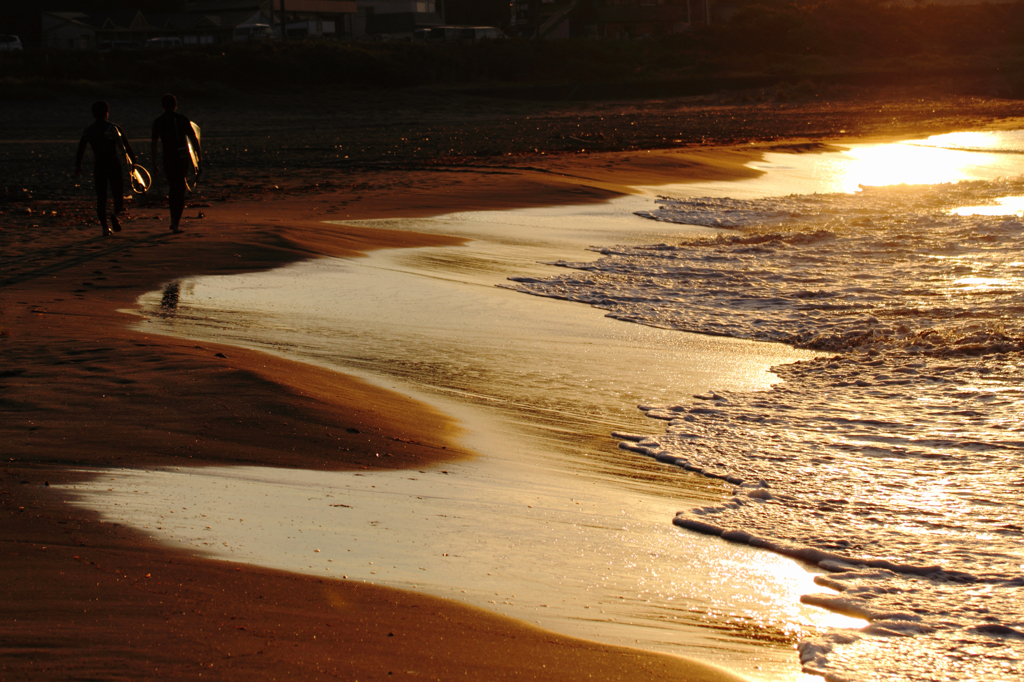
109 145
174 131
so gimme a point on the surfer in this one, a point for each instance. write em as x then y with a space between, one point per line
181 151
109 144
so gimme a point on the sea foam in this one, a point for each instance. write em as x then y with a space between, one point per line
894 461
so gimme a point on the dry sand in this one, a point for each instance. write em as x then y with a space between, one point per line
80 389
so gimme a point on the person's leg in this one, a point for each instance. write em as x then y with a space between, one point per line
100 181
175 193
117 190
177 199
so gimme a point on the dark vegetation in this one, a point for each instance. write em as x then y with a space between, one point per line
764 42
866 28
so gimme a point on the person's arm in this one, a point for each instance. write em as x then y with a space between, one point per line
80 156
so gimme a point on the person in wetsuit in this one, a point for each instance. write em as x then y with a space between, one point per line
109 144
171 130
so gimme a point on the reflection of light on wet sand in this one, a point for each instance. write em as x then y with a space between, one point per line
565 523
525 530
573 555
540 384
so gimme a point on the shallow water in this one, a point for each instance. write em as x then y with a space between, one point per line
554 523
894 463
540 386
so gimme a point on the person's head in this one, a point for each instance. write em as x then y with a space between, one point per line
100 110
169 102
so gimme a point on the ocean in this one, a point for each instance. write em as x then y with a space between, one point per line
894 461
823 476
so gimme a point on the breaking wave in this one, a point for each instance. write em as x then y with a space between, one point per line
893 461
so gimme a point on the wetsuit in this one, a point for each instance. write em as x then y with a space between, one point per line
172 129
106 140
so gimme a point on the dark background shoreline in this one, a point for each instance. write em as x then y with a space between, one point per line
315 141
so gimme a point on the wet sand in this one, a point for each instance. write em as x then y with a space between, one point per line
81 389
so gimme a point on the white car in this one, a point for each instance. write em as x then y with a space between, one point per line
10 44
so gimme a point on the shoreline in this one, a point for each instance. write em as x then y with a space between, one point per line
37 335
90 391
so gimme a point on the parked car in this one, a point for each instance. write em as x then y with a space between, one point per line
10 43
163 43
245 32
443 34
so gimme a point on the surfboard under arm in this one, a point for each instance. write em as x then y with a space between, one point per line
194 148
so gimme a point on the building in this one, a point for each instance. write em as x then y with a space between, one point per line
302 18
495 13
127 26
68 31
547 18
316 18
231 13
396 18
202 22
192 29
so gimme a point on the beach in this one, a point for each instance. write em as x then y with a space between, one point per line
85 388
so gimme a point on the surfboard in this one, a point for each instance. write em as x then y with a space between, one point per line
194 153
192 158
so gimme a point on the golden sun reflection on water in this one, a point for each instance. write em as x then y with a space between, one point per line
981 283
966 140
938 159
800 582
1008 206
902 164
